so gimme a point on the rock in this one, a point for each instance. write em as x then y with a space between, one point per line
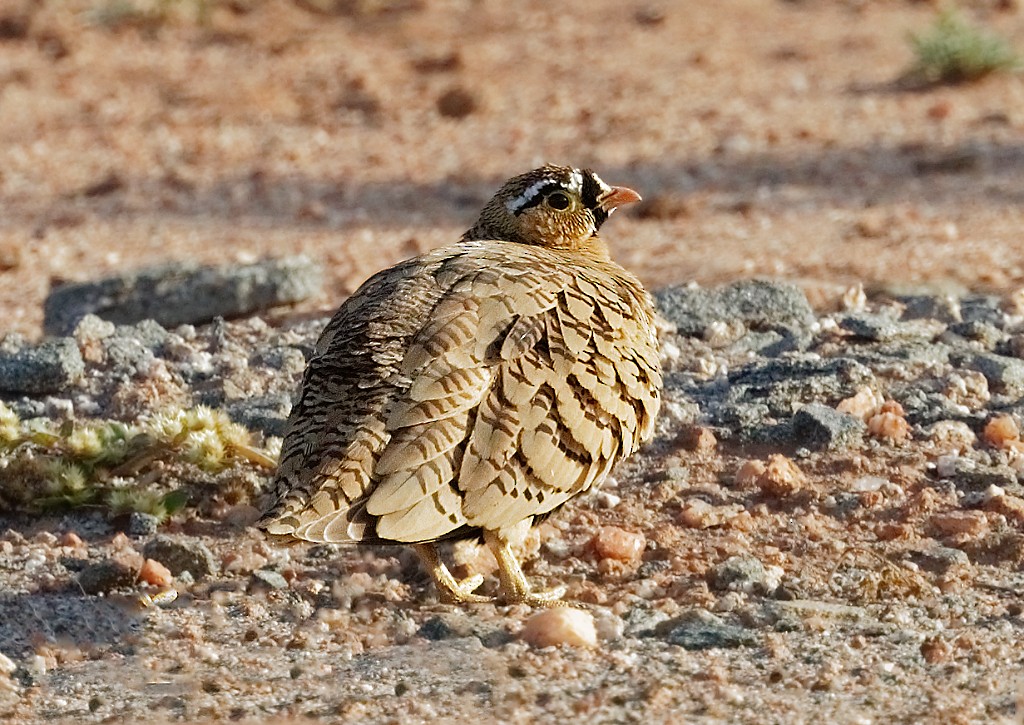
127 356
878 326
985 333
641 621
141 524
105 576
191 556
561 626
7 666
745 574
939 559
155 574
174 295
265 578
438 628
820 427
266 413
613 542
945 308
49 367
982 308
1005 375
775 388
699 629
758 304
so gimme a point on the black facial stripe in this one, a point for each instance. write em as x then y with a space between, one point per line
591 190
539 196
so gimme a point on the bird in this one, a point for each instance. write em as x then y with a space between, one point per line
469 392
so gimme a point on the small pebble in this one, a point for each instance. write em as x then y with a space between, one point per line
957 523
612 542
863 404
1001 432
155 573
71 540
564 625
781 477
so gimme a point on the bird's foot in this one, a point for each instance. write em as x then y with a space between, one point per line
461 591
547 598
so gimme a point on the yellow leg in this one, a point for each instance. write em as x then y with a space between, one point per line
513 581
449 588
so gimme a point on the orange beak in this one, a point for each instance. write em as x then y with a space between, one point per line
618 196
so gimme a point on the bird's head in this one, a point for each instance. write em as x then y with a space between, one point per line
554 206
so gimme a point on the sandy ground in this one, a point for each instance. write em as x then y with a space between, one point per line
768 138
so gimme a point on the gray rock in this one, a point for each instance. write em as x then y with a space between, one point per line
699 629
983 332
1005 375
267 579
148 332
642 621
140 524
784 384
945 308
105 576
126 355
758 304
820 427
49 367
175 294
458 624
178 556
878 326
939 559
742 573
982 308
267 413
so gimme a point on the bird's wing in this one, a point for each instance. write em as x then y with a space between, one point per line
564 409
523 395
336 430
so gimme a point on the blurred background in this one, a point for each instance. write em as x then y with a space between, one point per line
821 141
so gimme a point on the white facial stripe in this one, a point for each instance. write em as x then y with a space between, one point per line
514 205
575 181
575 184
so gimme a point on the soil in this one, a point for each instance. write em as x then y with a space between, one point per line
769 139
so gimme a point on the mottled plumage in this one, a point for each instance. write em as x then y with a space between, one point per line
472 389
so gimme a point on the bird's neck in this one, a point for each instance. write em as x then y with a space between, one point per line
595 248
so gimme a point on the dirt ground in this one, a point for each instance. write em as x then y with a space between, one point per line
768 136
769 139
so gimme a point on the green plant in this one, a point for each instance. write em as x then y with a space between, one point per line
954 51
112 464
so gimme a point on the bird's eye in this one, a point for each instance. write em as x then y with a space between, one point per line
558 200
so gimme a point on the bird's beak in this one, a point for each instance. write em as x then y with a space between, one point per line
618 196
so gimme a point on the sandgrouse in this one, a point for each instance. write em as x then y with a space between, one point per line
471 391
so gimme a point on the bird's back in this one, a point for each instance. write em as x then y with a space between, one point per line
471 388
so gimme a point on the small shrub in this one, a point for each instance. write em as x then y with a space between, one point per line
108 463
954 51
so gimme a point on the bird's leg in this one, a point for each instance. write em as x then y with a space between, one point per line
449 588
513 581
